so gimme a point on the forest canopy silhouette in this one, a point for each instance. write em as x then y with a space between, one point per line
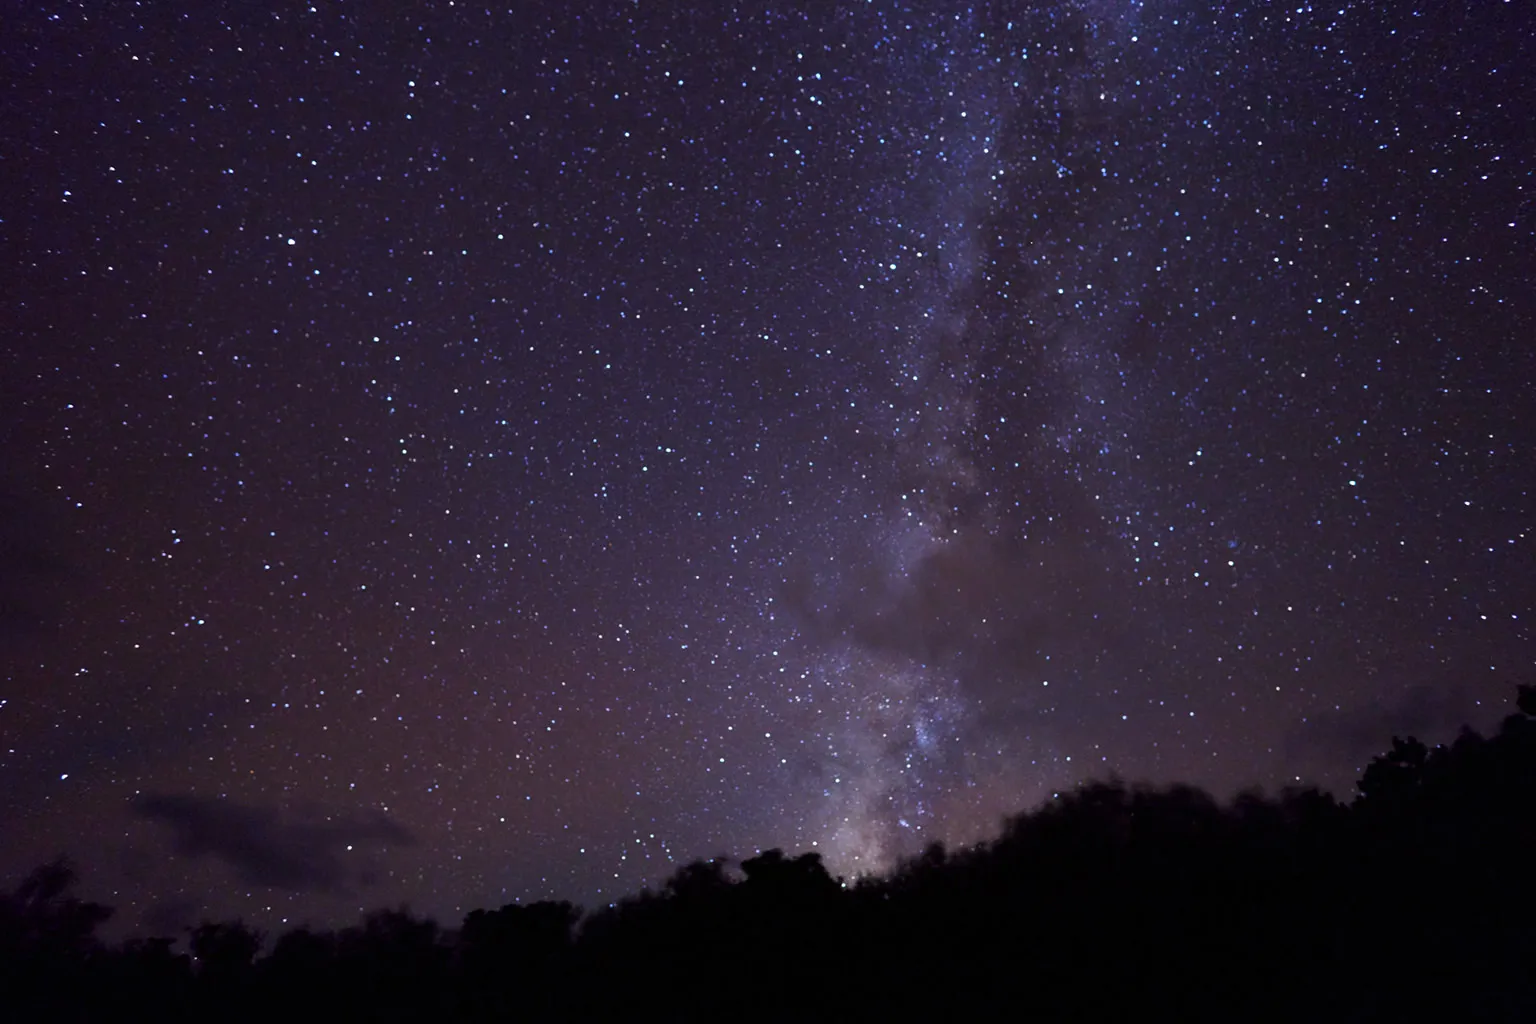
1412 901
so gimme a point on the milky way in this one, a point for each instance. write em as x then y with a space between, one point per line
463 456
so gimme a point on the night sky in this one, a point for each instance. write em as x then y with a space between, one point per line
454 456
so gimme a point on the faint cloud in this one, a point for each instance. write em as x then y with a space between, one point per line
313 852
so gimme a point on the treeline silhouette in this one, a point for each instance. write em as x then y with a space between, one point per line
1112 902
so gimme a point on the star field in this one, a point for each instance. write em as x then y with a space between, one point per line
456 455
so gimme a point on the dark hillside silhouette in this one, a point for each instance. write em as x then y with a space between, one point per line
1112 902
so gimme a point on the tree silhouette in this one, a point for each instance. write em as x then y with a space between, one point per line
508 955
224 951
1526 699
1111 902
48 942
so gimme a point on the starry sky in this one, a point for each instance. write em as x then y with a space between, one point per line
454 455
